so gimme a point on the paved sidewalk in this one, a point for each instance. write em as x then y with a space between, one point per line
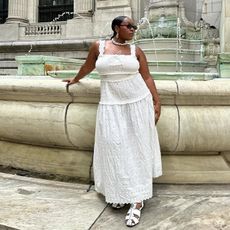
37 204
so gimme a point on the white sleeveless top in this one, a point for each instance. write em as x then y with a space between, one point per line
121 82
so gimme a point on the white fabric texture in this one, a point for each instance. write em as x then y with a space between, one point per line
126 151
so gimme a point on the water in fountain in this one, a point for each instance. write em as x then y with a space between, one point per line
31 47
66 13
55 20
141 23
179 47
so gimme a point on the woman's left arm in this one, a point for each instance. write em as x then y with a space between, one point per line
144 71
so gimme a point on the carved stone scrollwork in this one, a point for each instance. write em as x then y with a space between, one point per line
211 50
206 30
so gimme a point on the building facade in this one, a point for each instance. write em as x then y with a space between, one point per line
58 27
59 19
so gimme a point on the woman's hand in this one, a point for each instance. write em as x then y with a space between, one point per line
157 108
70 81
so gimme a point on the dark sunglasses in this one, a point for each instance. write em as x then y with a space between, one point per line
130 26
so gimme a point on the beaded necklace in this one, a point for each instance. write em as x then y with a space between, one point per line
118 43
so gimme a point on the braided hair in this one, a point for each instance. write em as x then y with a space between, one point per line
116 22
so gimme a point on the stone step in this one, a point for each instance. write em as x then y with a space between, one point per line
177 66
194 169
8 66
169 43
201 76
8 63
173 54
7 72
57 53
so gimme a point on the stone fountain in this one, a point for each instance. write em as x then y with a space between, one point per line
48 128
175 47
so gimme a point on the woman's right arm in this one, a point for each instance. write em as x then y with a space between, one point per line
88 66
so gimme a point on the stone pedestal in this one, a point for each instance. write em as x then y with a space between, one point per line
33 11
39 65
223 65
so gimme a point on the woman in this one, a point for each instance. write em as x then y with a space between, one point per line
126 152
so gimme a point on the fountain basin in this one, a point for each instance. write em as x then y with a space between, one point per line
45 127
38 65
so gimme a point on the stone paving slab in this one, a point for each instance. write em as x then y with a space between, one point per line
177 207
27 205
174 213
37 204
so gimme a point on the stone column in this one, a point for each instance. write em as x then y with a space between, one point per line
17 11
33 11
224 28
83 8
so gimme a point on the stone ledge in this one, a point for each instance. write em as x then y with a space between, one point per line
180 92
194 169
194 177
61 162
40 89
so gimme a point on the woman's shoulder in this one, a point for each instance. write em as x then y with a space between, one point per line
139 52
97 43
138 49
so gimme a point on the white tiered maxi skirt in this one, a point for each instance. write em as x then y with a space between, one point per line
126 152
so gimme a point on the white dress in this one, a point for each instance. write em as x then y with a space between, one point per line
126 152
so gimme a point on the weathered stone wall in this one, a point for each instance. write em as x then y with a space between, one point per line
46 128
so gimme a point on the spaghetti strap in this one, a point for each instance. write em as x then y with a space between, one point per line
133 50
101 47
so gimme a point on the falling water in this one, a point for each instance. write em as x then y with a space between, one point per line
65 13
55 20
179 46
143 21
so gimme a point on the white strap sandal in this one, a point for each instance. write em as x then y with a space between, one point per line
117 205
133 215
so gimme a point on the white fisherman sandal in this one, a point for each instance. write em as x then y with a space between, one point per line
117 205
133 215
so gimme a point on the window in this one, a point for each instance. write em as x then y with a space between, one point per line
55 10
3 11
